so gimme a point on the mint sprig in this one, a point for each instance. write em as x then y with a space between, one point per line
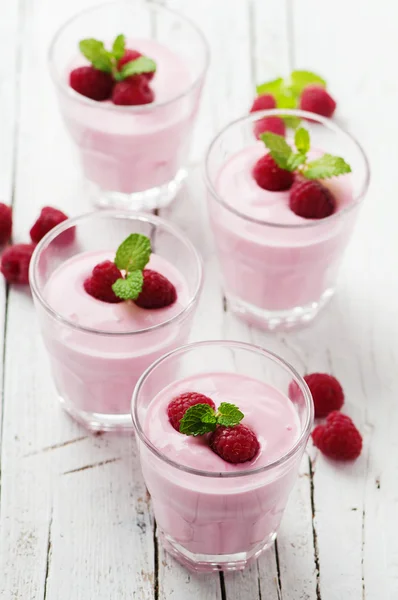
107 60
132 256
286 158
202 418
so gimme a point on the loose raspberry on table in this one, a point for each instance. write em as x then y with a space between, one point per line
338 438
15 262
311 200
234 444
99 284
270 177
132 91
273 124
314 98
49 218
179 406
263 102
91 82
327 393
5 223
129 55
157 291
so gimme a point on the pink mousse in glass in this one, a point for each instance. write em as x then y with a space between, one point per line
213 514
278 267
98 349
133 154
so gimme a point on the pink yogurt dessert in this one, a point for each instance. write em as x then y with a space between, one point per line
278 268
133 156
213 514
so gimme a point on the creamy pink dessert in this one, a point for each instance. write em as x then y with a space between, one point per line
95 371
131 149
283 261
221 515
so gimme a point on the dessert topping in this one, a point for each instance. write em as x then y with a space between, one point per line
99 285
130 93
311 200
316 99
157 291
338 438
234 444
91 82
263 102
273 123
179 406
271 177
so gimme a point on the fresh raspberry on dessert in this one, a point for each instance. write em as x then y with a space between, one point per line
49 218
263 102
157 291
327 393
99 285
132 91
311 200
5 223
234 444
274 124
179 406
91 82
314 98
15 262
271 177
129 55
338 438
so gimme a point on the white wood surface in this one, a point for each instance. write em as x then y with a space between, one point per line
75 520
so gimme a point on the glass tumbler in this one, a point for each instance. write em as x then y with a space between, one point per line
278 269
133 157
95 369
219 520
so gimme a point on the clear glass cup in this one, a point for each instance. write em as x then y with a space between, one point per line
95 370
275 275
133 157
209 520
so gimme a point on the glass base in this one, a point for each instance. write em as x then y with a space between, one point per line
157 197
98 421
205 563
283 320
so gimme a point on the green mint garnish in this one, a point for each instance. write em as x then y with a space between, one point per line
285 157
107 61
132 256
202 418
287 91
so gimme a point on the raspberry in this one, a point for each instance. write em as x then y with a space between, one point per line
130 55
99 285
234 444
311 200
49 218
179 406
326 392
263 102
271 177
15 263
91 83
132 91
157 291
314 98
5 223
273 124
338 438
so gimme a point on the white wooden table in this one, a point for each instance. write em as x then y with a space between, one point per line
75 520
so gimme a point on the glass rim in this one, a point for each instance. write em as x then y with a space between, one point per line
143 108
305 430
304 115
116 214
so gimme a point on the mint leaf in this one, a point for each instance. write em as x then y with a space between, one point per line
295 161
279 149
96 53
119 46
129 288
270 87
300 79
133 254
143 64
302 140
229 415
326 166
198 420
